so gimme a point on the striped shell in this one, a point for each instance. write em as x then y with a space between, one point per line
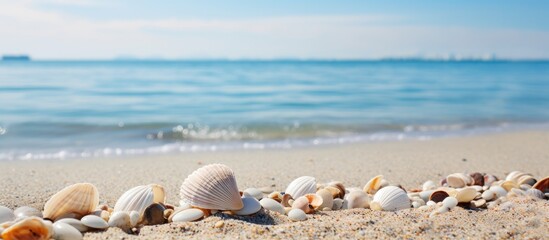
212 187
139 198
74 201
390 198
301 186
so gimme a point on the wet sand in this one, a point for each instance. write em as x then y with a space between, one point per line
408 163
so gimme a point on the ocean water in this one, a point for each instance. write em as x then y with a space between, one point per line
79 109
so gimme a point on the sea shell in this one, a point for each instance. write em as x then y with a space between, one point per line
64 231
77 224
500 191
450 202
134 218
327 198
390 198
340 186
302 203
301 186
25 211
489 179
6 214
28 228
489 195
542 185
286 200
429 185
508 185
251 206
154 214
187 215
254 192
426 194
121 220
212 187
466 194
297 215
373 185
521 178
338 203
438 196
272 205
73 201
357 199
535 193
315 201
277 196
139 198
478 179
333 190
93 221
459 180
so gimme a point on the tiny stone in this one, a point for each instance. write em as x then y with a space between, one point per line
219 224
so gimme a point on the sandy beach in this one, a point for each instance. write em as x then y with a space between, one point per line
408 163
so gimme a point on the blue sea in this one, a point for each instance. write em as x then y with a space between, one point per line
84 109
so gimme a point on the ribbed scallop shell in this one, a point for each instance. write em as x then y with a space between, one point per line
212 187
301 186
390 198
29 228
73 201
139 198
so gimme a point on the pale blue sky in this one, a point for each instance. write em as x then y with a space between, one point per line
87 29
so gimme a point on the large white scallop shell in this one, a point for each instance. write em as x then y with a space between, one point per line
139 198
301 186
212 187
390 198
73 201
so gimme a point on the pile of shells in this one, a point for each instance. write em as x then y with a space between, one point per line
75 209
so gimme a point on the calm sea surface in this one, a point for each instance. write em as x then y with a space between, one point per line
55 109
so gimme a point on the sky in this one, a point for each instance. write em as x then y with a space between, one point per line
252 29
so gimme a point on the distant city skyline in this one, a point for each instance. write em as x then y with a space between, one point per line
86 29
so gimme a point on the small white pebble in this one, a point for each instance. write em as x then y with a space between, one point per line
431 203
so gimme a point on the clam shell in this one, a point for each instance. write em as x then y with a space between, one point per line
302 203
187 215
489 179
489 195
272 205
6 214
64 231
327 198
373 185
28 228
121 220
315 201
438 196
357 199
301 186
500 191
277 196
340 186
139 198
93 221
254 192
542 185
75 223
286 200
459 180
212 187
478 179
251 206
154 214
466 194
25 211
73 201
428 185
390 198
508 185
297 215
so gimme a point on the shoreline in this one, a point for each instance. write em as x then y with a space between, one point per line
409 163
